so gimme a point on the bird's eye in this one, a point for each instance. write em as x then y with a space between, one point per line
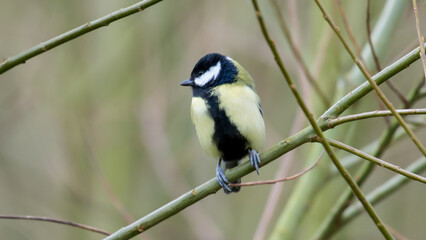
199 73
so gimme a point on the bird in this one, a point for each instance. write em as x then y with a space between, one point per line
227 115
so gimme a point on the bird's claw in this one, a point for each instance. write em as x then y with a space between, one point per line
255 160
221 178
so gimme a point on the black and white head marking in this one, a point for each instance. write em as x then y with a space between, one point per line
208 76
212 70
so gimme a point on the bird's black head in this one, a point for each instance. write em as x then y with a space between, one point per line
211 70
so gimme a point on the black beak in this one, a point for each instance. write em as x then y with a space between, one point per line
187 82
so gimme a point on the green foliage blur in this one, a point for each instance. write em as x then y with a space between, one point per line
98 131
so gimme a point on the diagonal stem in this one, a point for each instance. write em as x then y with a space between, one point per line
297 54
376 58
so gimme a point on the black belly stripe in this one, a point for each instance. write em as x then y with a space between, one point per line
230 142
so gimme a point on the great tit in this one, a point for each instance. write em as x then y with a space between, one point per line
226 113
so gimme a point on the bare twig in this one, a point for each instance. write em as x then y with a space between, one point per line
373 51
349 31
264 182
358 51
297 54
372 114
420 37
396 234
53 220
377 62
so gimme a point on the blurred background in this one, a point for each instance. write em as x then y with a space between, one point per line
98 130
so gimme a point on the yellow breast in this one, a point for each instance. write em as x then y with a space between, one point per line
241 105
204 126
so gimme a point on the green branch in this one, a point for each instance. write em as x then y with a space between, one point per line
74 33
266 157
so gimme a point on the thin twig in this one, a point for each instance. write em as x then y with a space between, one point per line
370 80
349 31
398 93
53 220
420 37
375 160
395 233
373 114
357 48
297 54
104 21
370 42
264 182
377 62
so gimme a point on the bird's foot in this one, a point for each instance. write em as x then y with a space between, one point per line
221 178
255 160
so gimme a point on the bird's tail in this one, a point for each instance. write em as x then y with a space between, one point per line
229 165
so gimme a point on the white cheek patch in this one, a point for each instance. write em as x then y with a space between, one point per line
208 76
